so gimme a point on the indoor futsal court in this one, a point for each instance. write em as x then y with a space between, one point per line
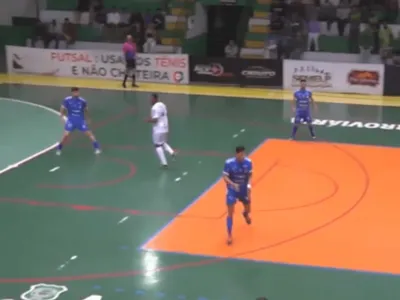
116 227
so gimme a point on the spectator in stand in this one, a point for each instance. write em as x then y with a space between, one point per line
298 46
328 12
386 39
231 50
113 18
366 44
151 31
55 34
297 24
314 31
342 13
97 13
83 6
40 33
113 22
149 45
159 20
147 18
69 32
354 30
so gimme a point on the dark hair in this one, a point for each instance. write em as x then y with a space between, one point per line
74 89
155 96
240 149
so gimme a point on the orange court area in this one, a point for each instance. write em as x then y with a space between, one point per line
314 203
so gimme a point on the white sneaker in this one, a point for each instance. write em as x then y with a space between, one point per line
97 151
58 152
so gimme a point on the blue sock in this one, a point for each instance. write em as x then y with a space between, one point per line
229 223
96 145
59 146
294 130
311 129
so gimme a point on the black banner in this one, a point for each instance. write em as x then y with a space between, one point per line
237 71
218 70
260 72
391 85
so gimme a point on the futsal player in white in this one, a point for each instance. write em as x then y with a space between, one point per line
159 119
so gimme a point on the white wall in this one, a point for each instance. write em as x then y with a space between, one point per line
17 8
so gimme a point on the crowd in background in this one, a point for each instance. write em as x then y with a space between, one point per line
295 27
113 26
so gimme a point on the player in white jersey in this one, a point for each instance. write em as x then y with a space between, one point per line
159 119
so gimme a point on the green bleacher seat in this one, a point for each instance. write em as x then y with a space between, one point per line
15 35
336 44
88 34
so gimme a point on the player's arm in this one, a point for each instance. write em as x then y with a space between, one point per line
313 103
250 176
154 116
225 174
294 102
63 113
87 116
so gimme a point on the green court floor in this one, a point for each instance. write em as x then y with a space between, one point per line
81 226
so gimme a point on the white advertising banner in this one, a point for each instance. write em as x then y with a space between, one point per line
157 68
334 77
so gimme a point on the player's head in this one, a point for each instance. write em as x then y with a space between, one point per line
75 91
303 83
154 98
129 38
240 153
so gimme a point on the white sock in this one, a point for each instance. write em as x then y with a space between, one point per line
161 155
168 148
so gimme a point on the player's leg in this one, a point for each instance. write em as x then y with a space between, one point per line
63 140
297 121
158 141
246 200
168 147
84 128
310 126
68 128
230 202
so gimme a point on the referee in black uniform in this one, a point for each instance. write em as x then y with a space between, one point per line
129 49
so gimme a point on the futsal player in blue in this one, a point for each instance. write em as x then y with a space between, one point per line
74 111
237 175
303 102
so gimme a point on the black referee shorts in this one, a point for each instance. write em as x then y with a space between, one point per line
130 64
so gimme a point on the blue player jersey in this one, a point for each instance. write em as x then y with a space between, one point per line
238 171
76 107
303 100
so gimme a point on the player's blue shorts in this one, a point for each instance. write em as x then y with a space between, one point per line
71 125
302 116
242 195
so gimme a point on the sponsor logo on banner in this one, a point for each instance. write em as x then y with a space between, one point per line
335 77
258 72
97 64
213 69
315 76
363 77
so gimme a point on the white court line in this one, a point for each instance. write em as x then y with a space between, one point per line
37 154
123 220
54 169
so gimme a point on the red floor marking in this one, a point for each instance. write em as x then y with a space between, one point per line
92 208
130 174
204 262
